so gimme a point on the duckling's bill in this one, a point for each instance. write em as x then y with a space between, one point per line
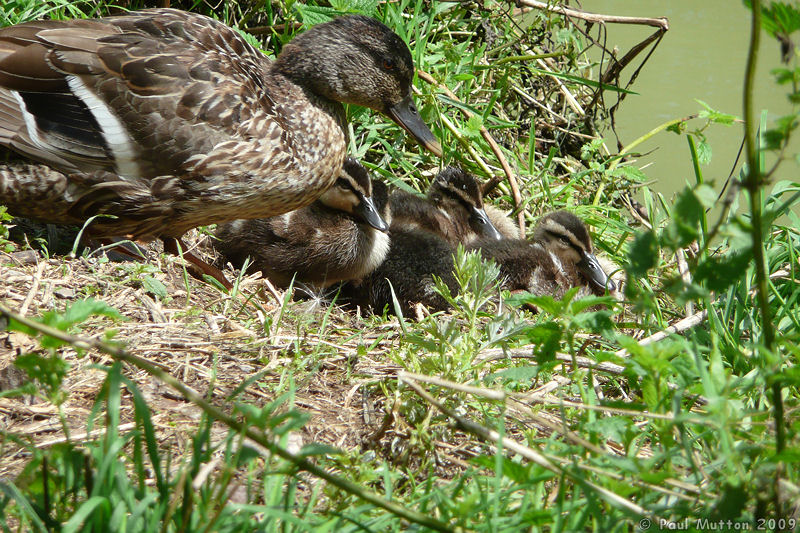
369 213
590 267
487 229
406 115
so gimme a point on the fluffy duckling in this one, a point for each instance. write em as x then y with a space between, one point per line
560 257
414 257
167 120
453 209
341 236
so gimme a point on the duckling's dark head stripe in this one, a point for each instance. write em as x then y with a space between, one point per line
566 226
357 176
460 186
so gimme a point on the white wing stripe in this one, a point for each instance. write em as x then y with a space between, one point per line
113 131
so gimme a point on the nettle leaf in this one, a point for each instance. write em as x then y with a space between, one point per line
313 15
611 427
703 152
473 126
319 449
642 254
49 371
595 321
632 173
82 309
715 116
720 272
545 338
685 220
521 375
706 195
678 127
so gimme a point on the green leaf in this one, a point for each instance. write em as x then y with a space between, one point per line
703 152
642 254
707 196
611 427
720 272
521 374
154 287
318 448
715 116
685 220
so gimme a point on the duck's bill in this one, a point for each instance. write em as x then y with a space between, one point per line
591 269
367 211
486 228
406 115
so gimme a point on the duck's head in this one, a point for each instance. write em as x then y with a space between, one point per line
456 192
567 237
358 60
352 193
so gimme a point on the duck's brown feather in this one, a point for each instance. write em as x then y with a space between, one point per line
168 113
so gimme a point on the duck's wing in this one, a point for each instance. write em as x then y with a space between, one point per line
137 95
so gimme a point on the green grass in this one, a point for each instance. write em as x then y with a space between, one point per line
488 418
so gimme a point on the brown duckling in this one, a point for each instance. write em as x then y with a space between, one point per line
414 257
167 120
560 257
452 209
341 236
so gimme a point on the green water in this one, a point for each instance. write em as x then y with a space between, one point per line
701 57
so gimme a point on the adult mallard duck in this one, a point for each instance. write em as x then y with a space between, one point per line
167 120
341 236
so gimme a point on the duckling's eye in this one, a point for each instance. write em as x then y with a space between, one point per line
344 184
388 63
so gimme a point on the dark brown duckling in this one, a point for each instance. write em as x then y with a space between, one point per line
414 257
167 120
452 209
341 236
560 257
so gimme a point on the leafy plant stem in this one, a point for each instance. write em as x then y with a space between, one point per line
753 186
300 462
648 135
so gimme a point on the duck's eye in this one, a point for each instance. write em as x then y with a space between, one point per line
388 63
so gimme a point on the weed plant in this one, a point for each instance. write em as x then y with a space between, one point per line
581 417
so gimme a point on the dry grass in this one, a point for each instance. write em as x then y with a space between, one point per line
193 340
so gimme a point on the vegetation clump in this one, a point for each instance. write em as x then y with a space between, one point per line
133 397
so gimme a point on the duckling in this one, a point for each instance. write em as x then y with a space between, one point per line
453 209
339 237
560 257
414 257
167 120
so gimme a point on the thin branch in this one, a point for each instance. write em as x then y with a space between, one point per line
525 451
660 22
